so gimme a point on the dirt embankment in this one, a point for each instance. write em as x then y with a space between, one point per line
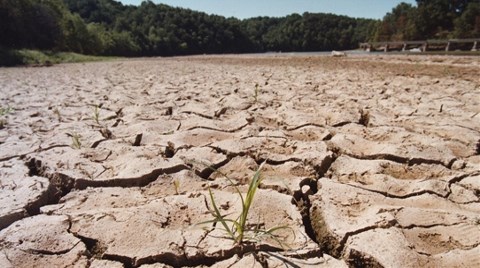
371 161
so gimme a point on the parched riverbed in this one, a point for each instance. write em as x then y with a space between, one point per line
371 161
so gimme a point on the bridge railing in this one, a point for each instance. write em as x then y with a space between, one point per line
423 44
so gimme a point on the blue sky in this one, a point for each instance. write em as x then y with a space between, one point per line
251 8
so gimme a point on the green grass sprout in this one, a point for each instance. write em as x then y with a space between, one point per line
96 114
76 142
256 93
5 111
238 230
176 185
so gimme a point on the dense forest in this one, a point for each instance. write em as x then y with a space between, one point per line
107 27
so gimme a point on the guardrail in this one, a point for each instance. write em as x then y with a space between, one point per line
422 45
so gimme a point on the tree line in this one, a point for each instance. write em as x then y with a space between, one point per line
431 19
107 27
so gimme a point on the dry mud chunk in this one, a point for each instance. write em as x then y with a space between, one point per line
41 241
472 164
240 147
235 103
154 131
463 195
12 146
139 230
131 162
62 135
276 260
286 178
106 264
460 138
19 135
368 228
183 182
393 179
472 183
458 258
268 122
396 145
313 153
236 262
138 233
197 137
239 170
277 151
98 200
442 239
310 133
20 193
232 123
317 115
124 166
155 265
203 160
70 163
385 248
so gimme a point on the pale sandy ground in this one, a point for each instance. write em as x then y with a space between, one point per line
372 161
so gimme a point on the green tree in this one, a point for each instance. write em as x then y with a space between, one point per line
436 18
468 24
398 25
76 33
30 23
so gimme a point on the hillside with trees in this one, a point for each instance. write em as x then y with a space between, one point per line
107 27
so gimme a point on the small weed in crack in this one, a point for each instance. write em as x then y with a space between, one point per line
96 114
4 111
176 185
3 123
76 143
238 229
256 93
364 117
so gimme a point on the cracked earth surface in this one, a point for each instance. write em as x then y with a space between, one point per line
372 161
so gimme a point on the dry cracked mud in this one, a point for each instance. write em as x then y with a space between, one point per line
371 161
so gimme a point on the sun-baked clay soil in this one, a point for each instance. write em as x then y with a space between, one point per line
371 161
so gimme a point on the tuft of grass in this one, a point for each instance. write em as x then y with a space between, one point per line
256 92
238 229
56 111
96 114
76 142
364 117
176 185
5 111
